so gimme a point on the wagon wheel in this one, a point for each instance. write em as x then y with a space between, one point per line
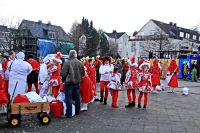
40 114
45 119
14 120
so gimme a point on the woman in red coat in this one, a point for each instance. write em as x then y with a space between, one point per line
173 70
156 75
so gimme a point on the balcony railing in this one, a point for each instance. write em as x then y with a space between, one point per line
148 37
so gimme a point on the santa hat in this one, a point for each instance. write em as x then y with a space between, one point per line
132 61
145 63
46 60
57 57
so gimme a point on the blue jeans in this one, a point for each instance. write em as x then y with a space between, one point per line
72 92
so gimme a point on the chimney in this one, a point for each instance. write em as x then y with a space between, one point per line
39 21
170 23
48 23
174 24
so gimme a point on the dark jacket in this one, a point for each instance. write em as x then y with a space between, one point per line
72 71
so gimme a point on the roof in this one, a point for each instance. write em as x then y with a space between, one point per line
173 29
38 30
4 28
115 34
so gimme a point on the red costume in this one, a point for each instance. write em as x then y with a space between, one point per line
54 70
91 71
86 90
156 74
131 82
32 78
97 64
145 83
173 69
3 95
140 72
6 76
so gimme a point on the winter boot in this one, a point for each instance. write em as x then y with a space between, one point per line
129 105
105 101
139 106
101 100
144 107
133 104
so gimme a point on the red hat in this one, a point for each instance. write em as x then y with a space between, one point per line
145 63
58 55
132 61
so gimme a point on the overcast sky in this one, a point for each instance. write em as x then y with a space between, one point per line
121 15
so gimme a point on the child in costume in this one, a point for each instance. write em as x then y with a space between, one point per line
105 70
54 69
92 75
114 86
44 77
173 70
146 85
156 74
131 82
86 91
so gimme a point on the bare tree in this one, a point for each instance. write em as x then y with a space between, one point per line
7 40
157 42
75 33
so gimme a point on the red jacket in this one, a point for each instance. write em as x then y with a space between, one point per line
35 65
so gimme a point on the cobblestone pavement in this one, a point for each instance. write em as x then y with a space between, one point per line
165 113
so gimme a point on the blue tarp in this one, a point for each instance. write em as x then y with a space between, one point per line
46 47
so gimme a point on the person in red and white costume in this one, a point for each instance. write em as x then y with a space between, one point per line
173 70
86 88
32 78
105 70
156 73
131 82
146 85
54 69
5 71
91 71
114 86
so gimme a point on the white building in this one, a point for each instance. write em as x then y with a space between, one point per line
119 42
160 36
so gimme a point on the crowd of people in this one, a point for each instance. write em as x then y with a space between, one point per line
78 78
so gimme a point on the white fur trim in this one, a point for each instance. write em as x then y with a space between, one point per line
132 64
57 60
147 64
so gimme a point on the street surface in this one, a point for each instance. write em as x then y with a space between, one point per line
165 113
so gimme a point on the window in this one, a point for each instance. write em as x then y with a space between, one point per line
194 37
181 34
133 47
142 33
187 35
51 35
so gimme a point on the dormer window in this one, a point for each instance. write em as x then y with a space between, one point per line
181 34
194 37
187 35
51 35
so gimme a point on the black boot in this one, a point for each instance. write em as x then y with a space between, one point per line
144 107
105 101
133 104
139 106
129 105
101 100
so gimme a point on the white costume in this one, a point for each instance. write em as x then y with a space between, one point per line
103 69
113 82
44 78
18 72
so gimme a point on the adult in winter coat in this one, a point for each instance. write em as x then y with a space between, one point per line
72 73
19 71
173 70
156 74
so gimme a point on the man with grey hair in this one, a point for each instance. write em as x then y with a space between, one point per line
72 73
